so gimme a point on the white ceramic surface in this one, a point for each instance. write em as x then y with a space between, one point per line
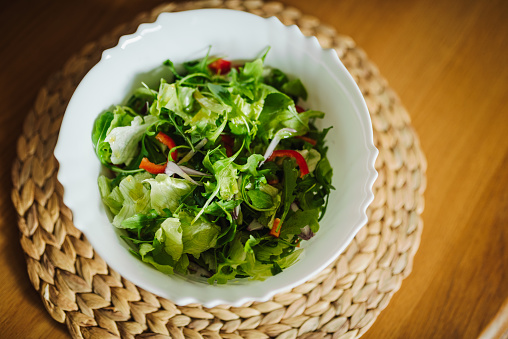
185 36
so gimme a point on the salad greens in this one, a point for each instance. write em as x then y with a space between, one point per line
218 172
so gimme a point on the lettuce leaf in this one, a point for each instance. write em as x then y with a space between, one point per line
124 140
198 236
178 99
279 112
170 233
166 191
112 198
144 249
224 171
136 197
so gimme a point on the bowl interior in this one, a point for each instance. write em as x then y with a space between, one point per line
186 36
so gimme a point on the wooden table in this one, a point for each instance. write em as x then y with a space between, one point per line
446 59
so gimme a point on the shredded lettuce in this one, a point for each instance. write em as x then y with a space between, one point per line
170 233
166 191
124 140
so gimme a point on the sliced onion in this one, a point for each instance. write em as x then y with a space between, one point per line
237 209
191 153
275 141
255 225
306 233
173 168
236 212
294 207
191 171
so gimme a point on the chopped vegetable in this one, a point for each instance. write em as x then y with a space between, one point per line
220 66
307 139
304 170
166 140
150 167
217 173
275 231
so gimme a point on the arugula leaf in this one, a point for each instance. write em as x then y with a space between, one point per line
260 199
101 126
227 234
217 208
220 93
270 250
290 176
252 71
140 220
298 220
172 68
295 88
289 259
250 243
276 78
251 165
141 99
198 66
227 269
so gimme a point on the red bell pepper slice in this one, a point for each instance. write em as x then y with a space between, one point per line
220 66
151 167
300 161
309 140
166 140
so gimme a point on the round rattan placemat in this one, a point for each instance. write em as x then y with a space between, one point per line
343 301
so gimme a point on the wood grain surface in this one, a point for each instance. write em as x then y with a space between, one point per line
447 62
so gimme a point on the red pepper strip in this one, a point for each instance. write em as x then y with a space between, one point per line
228 142
151 167
299 109
300 161
166 140
275 231
309 140
220 66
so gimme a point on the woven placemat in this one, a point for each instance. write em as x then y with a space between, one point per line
343 301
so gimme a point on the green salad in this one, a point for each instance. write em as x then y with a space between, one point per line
218 173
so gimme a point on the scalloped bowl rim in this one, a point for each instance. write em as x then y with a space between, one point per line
89 213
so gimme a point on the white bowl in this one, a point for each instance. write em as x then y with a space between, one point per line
186 36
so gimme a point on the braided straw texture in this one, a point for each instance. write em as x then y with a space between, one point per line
343 301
